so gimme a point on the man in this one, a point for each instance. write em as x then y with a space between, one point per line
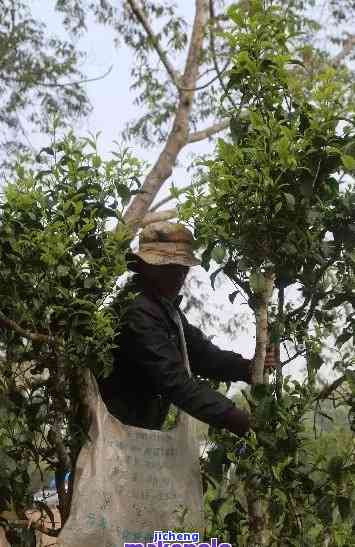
149 372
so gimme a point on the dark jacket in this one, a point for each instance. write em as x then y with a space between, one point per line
148 372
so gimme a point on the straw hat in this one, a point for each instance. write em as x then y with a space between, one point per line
162 243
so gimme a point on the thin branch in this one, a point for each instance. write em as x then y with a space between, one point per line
24 133
208 132
328 390
280 314
214 57
65 84
203 86
12 325
140 15
297 354
205 72
312 299
178 193
38 527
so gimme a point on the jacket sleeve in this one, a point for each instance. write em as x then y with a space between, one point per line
209 361
158 357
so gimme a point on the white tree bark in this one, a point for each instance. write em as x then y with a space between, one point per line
256 509
261 335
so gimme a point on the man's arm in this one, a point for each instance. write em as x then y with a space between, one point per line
209 361
158 357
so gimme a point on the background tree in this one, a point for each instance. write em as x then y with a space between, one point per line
40 77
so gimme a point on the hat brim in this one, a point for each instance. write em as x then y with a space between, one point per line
160 259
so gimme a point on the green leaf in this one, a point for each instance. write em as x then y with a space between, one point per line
315 361
216 504
348 162
218 254
206 255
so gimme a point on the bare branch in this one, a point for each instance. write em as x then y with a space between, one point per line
178 136
12 325
297 354
208 132
140 15
178 193
214 56
348 46
328 390
53 532
203 86
64 84
158 216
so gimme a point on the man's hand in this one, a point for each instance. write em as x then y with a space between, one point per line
270 359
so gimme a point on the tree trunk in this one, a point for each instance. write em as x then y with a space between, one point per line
256 506
261 334
179 134
279 375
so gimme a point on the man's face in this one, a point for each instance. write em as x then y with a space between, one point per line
168 279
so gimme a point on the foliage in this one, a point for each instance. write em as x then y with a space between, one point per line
40 77
307 483
276 192
59 266
60 262
156 94
279 187
275 188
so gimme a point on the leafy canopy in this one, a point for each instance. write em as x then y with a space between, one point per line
40 77
59 266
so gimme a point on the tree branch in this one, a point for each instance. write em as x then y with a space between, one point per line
57 84
328 390
178 136
140 15
203 86
297 354
208 132
261 334
53 532
12 325
178 193
214 56
158 216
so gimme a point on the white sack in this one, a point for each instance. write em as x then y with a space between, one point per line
129 481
